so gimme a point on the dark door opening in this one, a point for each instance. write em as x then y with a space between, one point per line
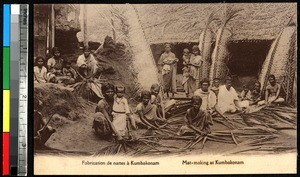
247 57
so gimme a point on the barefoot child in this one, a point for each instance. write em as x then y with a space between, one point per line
40 71
256 94
272 92
156 99
120 111
69 73
186 71
245 97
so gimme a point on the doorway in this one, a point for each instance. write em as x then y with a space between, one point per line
246 60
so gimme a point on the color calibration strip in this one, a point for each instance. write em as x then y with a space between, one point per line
6 90
23 92
14 85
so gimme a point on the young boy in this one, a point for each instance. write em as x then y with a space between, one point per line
156 99
272 92
215 86
120 111
186 71
40 71
69 73
197 121
256 93
245 94
245 97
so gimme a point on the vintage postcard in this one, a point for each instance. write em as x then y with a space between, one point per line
165 88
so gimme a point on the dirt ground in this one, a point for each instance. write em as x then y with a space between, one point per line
74 131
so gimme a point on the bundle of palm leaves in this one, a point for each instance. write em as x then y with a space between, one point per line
88 88
142 146
238 137
272 117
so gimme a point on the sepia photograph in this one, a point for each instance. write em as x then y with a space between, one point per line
202 88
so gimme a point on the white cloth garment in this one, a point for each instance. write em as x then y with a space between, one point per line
226 99
209 99
120 109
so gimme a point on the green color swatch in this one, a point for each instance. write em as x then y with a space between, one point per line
6 68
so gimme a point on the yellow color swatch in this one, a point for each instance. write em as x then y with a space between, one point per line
6 110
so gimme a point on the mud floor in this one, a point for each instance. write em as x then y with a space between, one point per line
73 123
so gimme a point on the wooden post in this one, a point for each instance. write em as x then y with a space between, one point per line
85 41
288 82
52 26
113 30
48 36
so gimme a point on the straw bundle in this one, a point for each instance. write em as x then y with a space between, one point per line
278 56
220 53
142 58
205 41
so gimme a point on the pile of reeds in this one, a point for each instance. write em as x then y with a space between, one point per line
178 109
272 117
146 145
88 88
238 136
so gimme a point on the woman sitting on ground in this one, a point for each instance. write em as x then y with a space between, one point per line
103 117
55 66
147 112
86 63
197 121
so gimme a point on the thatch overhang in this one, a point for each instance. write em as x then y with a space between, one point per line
184 22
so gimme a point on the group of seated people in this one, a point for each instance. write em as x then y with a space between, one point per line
113 115
224 98
59 70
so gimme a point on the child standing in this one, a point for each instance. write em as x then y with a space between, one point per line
186 71
120 111
194 66
40 71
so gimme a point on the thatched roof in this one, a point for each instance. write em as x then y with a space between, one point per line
184 22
